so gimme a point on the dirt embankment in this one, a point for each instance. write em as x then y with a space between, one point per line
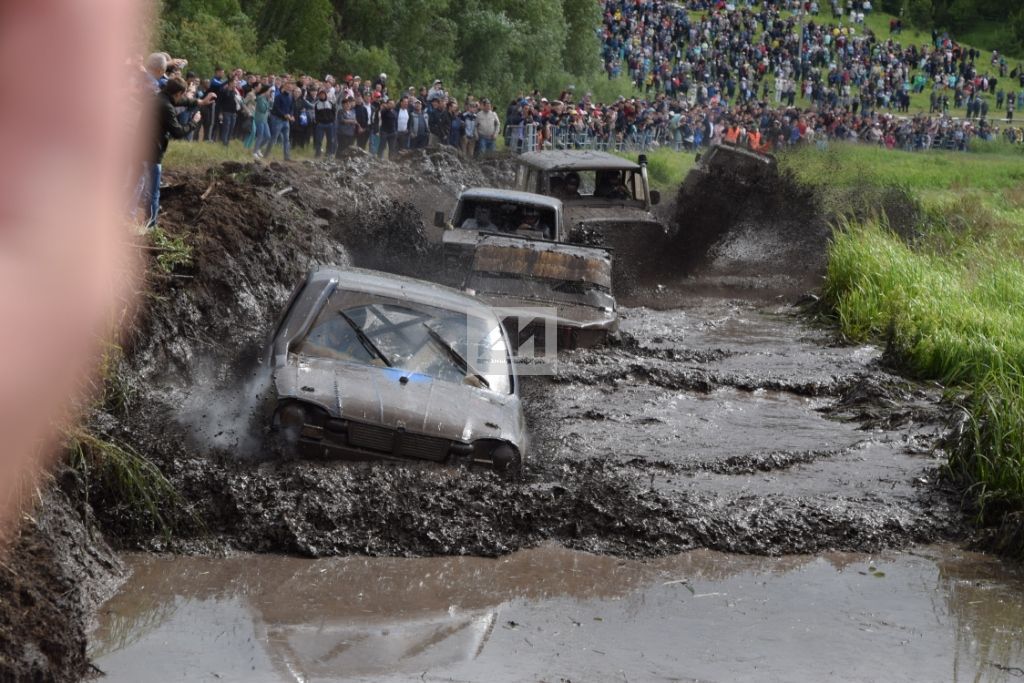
57 570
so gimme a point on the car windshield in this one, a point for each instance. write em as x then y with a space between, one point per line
505 217
450 346
571 185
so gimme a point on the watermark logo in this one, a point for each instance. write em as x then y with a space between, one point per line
533 339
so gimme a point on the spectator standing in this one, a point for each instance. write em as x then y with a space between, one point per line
347 126
364 116
227 99
216 83
173 94
439 122
419 127
388 123
488 126
402 114
260 119
281 117
469 134
455 128
324 115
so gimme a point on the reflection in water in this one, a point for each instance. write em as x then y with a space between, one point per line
550 611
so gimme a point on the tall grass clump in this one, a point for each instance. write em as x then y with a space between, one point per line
132 488
988 444
948 299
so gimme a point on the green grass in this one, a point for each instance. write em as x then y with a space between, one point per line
949 302
200 155
666 167
140 492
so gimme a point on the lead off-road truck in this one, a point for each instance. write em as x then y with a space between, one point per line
606 201
731 165
510 249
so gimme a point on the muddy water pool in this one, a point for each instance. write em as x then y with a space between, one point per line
548 614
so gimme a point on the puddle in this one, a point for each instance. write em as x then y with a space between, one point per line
546 614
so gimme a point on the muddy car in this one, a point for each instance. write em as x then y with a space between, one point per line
372 366
733 163
484 211
607 201
509 249
520 276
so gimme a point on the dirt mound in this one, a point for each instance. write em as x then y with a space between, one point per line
56 573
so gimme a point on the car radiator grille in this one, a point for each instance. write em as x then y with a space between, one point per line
395 443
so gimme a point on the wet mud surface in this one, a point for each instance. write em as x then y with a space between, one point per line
720 422
549 614
721 425
723 419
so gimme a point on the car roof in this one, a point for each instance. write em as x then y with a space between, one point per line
577 160
401 288
514 196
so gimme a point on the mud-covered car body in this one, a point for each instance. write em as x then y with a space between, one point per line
521 272
735 163
612 207
612 189
367 365
522 277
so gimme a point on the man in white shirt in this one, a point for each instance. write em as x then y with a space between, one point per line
403 122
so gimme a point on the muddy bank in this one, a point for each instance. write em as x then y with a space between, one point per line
55 573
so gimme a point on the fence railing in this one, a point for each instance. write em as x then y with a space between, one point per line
532 137
520 138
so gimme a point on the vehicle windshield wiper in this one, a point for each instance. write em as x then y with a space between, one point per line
455 355
364 339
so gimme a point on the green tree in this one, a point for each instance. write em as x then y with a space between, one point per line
365 61
306 27
920 13
582 53
1017 26
207 41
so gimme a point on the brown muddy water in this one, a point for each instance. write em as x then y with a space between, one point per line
934 613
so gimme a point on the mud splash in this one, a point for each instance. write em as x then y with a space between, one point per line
552 614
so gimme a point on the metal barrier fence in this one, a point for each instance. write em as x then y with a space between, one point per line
520 138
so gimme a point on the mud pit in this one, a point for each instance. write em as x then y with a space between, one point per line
719 423
725 422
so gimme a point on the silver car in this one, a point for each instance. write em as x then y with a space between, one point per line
368 365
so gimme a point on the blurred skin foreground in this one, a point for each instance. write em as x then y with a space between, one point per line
63 239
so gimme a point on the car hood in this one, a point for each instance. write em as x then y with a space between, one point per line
569 314
609 213
422 405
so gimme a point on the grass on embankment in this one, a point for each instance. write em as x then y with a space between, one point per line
947 295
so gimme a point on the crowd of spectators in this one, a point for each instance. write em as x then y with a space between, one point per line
781 52
331 115
765 73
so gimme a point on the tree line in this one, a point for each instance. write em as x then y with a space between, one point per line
999 22
489 47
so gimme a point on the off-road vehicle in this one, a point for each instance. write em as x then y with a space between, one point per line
368 365
509 249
